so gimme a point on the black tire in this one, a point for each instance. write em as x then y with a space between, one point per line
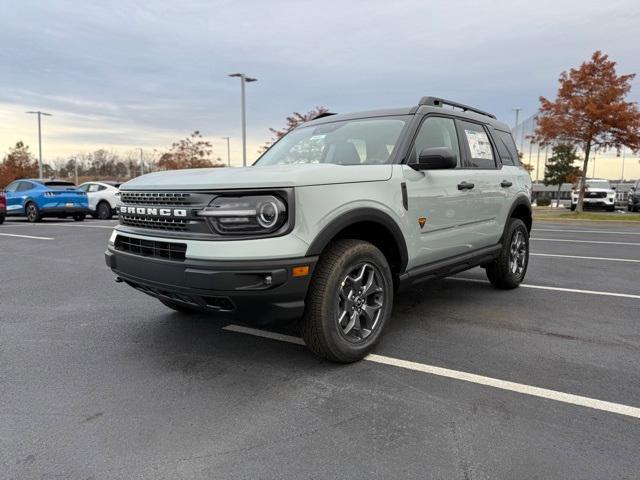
179 307
573 207
322 330
79 217
104 211
611 209
501 271
1 219
32 212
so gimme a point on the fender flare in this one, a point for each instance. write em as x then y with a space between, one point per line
520 200
356 216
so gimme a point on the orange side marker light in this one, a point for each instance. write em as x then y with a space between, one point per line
300 271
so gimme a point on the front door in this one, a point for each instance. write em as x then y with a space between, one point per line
443 204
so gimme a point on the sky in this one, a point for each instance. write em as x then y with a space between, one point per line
122 75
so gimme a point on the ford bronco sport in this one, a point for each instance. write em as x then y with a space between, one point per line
331 221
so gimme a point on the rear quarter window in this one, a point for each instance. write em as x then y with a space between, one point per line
506 147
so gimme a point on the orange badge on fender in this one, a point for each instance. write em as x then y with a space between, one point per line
422 221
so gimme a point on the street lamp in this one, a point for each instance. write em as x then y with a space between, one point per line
39 113
243 79
228 150
515 127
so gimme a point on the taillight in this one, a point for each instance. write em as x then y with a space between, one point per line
3 200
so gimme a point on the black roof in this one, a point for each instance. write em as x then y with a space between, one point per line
425 105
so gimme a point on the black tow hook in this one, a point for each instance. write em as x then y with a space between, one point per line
117 280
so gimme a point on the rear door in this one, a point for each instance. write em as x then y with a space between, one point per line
441 210
491 189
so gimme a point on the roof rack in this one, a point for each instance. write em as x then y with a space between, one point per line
322 115
439 102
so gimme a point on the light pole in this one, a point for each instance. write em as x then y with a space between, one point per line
141 163
243 79
515 127
39 114
228 151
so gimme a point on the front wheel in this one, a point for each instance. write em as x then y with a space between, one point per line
349 301
573 207
508 270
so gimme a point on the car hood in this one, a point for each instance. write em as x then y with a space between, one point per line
259 177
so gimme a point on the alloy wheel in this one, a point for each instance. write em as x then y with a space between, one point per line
518 253
360 301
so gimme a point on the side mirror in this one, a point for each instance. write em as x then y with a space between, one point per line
436 158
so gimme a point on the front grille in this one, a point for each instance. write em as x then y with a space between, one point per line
156 198
151 248
596 194
173 224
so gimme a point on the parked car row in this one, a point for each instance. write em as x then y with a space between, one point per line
39 198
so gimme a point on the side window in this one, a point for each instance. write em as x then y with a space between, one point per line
504 141
101 187
479 146
94 187
12 187
24 186
436 132
84 187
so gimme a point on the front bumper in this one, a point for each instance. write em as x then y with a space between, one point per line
255 291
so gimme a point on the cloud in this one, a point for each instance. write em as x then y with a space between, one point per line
148 72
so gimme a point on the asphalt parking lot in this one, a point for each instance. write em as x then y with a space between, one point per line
99 381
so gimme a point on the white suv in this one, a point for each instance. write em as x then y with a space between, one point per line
598 193
331 221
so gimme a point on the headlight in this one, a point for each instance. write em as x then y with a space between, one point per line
247 215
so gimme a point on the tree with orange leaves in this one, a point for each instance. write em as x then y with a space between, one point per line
590 112
17 164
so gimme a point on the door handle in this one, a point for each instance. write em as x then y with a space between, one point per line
465 186
505 184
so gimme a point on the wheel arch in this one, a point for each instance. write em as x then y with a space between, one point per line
367 224
521 208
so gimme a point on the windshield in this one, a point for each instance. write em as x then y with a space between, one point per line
350 142
598 184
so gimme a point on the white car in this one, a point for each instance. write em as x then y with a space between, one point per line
598 194
103 198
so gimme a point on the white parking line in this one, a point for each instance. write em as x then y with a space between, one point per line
25 236
585 258
584 231
524 389
557 289
42 224
582 241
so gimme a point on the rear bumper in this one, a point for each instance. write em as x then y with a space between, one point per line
257 292
52 211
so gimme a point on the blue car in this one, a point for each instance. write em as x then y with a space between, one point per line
36 199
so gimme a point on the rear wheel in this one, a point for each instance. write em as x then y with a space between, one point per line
179 307
1 219
32 212
508 270
104 211
349 301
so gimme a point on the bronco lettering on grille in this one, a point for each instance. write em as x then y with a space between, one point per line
154 211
